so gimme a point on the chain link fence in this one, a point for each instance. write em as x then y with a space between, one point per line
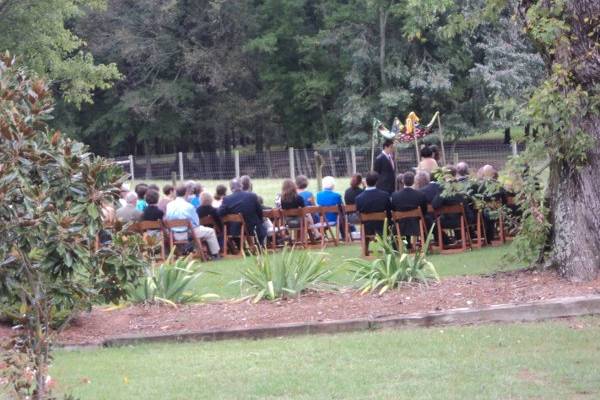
277 164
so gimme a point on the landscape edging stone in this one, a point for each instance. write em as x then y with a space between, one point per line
535 311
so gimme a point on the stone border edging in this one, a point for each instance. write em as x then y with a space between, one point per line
535 311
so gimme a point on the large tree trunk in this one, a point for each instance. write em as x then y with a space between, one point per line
574 193
574 197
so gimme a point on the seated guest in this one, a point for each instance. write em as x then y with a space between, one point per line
373 200
180 208
427 163
399 182
462 171
307 196
152 212
247 204
140 190
490 190
169 195
130 212
327 197
290 199
425 185
246 183
408 199
356 188
206 209
193 196
220 192
154 186
452 221
122 194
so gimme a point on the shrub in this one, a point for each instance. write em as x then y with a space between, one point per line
284 275
393 266
171 283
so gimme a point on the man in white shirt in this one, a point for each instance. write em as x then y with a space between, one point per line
180 208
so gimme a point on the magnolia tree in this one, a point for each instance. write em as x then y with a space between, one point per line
51 197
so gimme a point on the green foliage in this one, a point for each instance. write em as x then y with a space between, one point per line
392 266
171 282
52 192
284 275
40 32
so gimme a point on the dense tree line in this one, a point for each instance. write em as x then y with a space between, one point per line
216 74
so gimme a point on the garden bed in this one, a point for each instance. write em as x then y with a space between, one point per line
451 293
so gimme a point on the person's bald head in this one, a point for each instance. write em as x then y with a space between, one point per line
235 185
488 171
131 198
462 169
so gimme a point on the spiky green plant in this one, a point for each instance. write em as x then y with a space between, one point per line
284 275
170 283
393 266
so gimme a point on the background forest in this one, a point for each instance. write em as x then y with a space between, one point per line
158 76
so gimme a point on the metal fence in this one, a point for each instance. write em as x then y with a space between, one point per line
345 161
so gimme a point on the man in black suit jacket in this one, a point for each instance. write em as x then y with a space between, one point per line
408 199
385 166
373 200
247 204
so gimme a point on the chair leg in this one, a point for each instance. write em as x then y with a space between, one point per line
463 234
440 234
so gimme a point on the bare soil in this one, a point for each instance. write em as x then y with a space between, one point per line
451 293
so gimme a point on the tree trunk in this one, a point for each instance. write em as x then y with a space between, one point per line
574 199
574 192
382 26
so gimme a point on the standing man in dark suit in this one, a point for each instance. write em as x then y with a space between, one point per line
385 166
373 200
247 204
408 199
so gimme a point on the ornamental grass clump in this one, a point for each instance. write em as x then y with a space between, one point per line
393 266
172 282
286 275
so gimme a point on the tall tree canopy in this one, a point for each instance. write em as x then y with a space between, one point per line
40 32
213 74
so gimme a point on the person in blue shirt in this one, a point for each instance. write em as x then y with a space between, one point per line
328 197
140 190
307 196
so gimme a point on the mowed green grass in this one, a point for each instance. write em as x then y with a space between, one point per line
550 360
220 274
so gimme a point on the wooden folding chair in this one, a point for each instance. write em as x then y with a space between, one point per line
348 209
176 243
496 206
298 235
398 216
457 209
364 238
274 215
309 212
153 230
326 227
480 239
228 238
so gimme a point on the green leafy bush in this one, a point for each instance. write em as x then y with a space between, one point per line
393 266
171 283
284 275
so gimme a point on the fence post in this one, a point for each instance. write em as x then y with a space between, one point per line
353 153
455 158
292 167
236 159
515 151
131 168
181 166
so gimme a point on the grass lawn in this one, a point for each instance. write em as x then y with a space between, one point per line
550 360
476 262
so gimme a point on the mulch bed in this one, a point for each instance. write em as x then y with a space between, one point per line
451 293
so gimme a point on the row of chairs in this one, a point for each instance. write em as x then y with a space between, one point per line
292 227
